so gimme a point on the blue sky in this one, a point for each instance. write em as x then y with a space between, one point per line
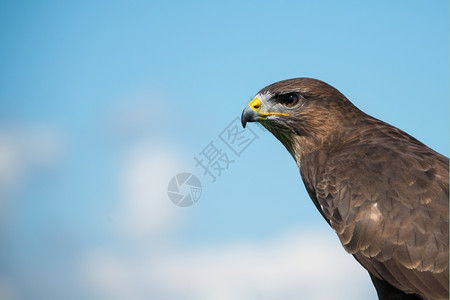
102 103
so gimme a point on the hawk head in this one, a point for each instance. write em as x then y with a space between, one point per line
302 113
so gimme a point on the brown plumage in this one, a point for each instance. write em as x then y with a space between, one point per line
384 193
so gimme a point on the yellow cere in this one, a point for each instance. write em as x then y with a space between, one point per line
255 104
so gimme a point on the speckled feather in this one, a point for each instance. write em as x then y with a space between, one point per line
384 193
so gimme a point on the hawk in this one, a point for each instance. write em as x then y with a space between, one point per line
384 193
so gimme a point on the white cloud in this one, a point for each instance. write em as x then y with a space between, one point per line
24 149
145 208
7 291
137 113
294 266
147 163
10 161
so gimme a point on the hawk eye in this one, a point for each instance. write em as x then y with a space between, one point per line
289 100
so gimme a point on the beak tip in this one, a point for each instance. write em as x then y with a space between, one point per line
249 115
243 119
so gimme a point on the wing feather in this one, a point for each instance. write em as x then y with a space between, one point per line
390 210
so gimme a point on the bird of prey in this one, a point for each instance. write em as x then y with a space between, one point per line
384 193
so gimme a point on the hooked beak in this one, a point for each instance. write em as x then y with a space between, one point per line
249 115
253 113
